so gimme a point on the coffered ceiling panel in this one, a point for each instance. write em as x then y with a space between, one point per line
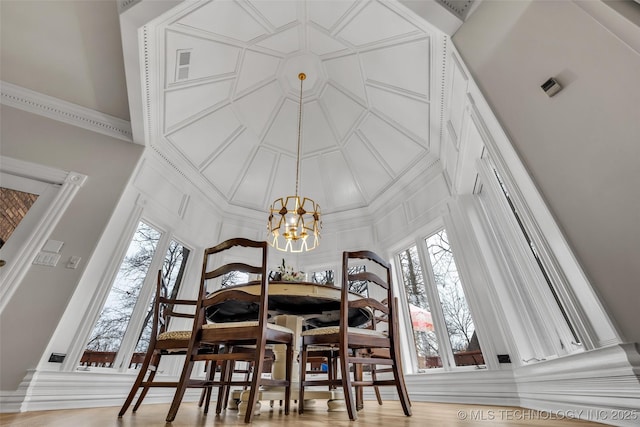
322 43
363 160
229 97
188 102
206 136
327 16
382 67
278 13
375 23
257 69
225 18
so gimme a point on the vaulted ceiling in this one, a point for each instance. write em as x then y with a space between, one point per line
221 97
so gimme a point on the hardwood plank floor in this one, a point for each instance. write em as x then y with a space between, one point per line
388 415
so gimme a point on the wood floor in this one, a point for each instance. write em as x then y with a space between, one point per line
388 415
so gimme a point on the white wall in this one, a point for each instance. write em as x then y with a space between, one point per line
38 303
581 147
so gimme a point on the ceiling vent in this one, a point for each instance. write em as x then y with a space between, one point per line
183 59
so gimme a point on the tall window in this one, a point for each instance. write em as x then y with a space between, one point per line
536 255
457 316
175 262
426 341
113 323
438 295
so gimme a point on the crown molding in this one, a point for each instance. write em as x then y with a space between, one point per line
63 111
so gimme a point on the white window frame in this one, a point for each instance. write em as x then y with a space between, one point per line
444 344
130 338
547 328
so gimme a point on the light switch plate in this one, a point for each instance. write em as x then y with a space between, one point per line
73 262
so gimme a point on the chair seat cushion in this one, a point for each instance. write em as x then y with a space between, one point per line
174 335
328 330
250 323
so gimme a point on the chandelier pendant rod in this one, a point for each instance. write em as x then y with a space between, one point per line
301 76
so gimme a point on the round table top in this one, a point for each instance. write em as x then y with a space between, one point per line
318 303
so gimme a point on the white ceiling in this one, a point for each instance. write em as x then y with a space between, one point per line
372 99
230 114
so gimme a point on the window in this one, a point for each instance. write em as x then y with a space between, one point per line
325 277
233 278
457 315
175 262
426 341
123 316
358 286
438 295
536 256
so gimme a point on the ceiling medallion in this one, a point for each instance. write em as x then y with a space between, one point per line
294 222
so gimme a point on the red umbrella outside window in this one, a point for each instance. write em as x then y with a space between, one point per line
420 319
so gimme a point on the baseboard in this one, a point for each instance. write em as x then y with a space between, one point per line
600 385
46 390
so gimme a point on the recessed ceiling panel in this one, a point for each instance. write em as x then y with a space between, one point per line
411 114
258 107
328 13
286 41
284 180
279 13
283 133
345 73
382 66
186 102
343 111
230 163
254 186
374 24
389 142
341 191
257 68
315 128
372 175
205 136
312 182
206 58
225 18
321 43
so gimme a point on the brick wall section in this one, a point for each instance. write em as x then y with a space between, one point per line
13 207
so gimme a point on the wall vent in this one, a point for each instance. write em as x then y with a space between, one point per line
183 60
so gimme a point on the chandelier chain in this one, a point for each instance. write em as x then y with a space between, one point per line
301 76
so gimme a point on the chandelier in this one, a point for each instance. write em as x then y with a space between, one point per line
294 222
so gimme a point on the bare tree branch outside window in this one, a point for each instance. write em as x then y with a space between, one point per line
457 315
113 321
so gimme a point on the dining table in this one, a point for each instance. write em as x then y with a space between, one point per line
297 305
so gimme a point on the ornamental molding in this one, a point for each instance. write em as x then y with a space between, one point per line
63 111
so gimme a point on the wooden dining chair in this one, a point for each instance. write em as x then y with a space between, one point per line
357 346
163 342
240 341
